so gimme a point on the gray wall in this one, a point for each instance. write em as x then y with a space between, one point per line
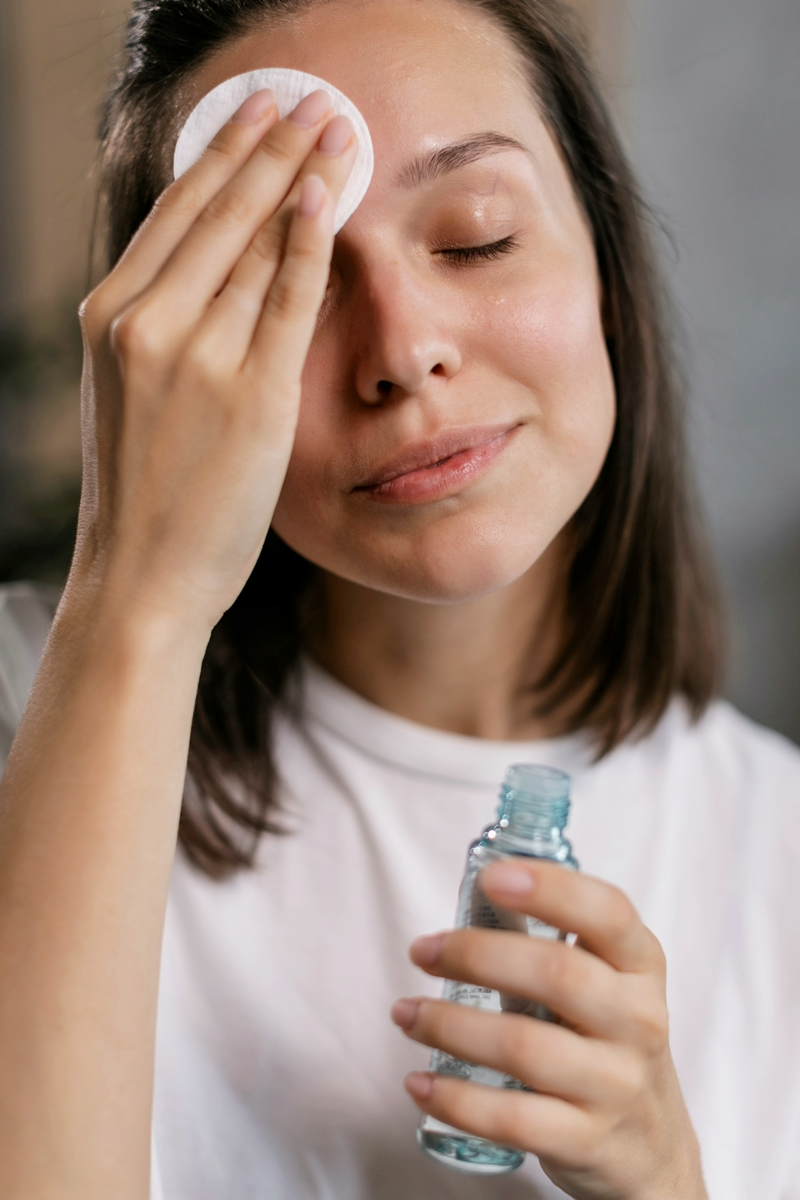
712 106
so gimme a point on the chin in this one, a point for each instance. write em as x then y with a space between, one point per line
451 562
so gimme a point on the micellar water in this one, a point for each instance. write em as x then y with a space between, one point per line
531 816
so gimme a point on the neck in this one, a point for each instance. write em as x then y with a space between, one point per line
458 667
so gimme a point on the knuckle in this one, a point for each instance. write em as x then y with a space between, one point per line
267 243
288 300
434 1017
221 147
93 314
248 302
199 363
557 967
659 957
468 950
228 208
278 151
619 916
514 1128
630 1076
454 1107
306 254
587 1141
651 1023
581 1139
182 196
133 335
516 1041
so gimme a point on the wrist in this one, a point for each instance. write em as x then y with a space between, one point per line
126 645
103 609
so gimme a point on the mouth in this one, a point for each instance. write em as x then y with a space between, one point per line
442 466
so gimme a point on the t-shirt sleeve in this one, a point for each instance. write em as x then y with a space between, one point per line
26 613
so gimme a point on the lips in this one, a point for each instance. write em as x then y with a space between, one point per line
443 464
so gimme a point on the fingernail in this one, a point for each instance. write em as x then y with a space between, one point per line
311 110
255 107
312 196
425 951
508 878
336 136
419 1085
404 1012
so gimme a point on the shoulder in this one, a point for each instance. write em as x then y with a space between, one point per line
740 751
721 779
722 744
734 782
761 769
26 613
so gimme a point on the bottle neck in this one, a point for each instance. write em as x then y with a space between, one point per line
532 814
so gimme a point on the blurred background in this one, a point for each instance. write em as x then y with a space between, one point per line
707 94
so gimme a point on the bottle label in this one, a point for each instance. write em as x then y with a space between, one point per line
477 911
485 915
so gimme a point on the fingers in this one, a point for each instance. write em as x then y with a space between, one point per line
231 321
576 985
181 203
543 1125
205 258
266 386
601 915
545 1057
287 324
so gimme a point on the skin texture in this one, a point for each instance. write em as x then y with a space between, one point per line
189 415
517 341
226 387
606 1119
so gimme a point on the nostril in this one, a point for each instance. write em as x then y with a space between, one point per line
438 369
384 386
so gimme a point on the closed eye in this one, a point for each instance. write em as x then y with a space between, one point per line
470 254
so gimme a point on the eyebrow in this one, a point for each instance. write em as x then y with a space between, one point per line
456 154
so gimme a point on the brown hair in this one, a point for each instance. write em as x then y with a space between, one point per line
642 610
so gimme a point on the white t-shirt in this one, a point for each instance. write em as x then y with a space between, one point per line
278 1071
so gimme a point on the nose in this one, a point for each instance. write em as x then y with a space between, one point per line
405 337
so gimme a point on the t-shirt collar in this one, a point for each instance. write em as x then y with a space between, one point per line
419 749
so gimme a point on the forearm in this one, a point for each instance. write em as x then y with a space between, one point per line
89 807
195 347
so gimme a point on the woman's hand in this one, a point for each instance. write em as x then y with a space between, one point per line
195 346
194 349
606 1117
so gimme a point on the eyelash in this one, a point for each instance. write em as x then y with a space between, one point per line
471 254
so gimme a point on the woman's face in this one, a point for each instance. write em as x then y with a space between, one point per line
492 365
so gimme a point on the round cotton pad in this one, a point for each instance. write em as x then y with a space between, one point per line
289 86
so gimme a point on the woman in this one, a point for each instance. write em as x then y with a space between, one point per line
456 421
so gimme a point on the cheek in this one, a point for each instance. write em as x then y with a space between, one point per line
309 495
535 350
312 514
549 341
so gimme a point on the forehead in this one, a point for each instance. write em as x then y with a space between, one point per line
422 72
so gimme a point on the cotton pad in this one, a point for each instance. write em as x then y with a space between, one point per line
290 87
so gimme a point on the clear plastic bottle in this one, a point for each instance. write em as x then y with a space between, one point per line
531 816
